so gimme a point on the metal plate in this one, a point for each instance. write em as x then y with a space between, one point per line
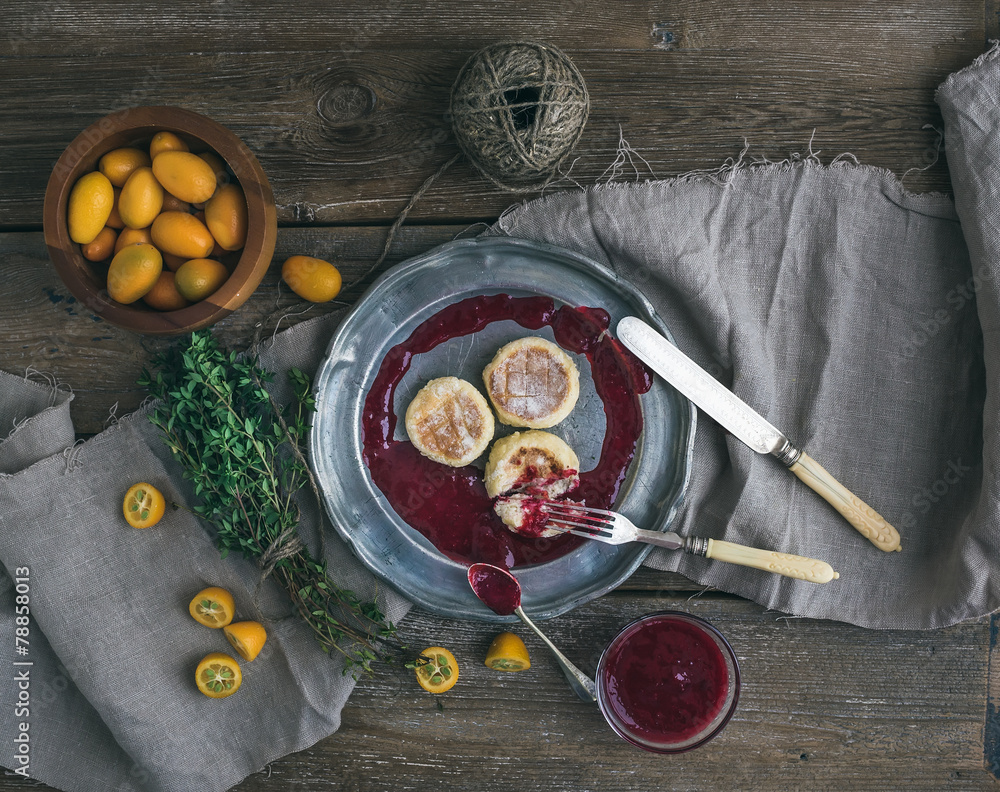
385 316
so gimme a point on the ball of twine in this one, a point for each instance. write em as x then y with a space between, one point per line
517 110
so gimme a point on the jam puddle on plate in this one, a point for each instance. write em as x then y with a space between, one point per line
449 505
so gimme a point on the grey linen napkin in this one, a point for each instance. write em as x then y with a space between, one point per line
110 695
842 307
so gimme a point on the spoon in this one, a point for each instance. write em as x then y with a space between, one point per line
501 593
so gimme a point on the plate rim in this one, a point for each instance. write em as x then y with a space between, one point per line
579 261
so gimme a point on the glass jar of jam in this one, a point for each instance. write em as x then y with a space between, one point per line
668 682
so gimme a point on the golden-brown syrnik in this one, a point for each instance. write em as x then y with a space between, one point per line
449 421
527 466
532 383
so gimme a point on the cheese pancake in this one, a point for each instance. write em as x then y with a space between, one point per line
532 383
449 421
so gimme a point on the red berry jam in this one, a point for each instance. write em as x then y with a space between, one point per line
496 587
450 505
668 682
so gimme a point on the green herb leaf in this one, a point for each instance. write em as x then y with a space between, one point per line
245 458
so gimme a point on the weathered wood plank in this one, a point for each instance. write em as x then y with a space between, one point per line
823 706
655 583
992 20
47 329
991 730
99 26
699 83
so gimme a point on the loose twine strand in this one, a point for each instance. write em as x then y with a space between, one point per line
517 111
394 228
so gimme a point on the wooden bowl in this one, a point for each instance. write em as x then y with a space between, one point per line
136 126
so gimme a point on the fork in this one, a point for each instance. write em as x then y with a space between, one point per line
613 528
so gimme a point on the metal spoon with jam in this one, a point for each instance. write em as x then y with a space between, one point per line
499 591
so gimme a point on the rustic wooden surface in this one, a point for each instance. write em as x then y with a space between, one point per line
345 106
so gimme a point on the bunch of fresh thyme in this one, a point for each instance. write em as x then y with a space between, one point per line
243 453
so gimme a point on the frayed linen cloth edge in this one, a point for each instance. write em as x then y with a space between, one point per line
991 54
935 202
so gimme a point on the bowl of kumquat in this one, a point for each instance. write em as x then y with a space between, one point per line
159 220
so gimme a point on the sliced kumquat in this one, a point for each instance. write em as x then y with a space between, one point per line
218 675
508 653
247 638
212 607
439 671
144 505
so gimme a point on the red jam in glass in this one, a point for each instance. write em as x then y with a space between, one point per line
450 505
496 587
664 680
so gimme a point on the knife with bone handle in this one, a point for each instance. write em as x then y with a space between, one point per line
748 426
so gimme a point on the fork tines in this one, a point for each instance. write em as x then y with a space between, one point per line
572 507
593 523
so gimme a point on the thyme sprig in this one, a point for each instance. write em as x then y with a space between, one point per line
244 455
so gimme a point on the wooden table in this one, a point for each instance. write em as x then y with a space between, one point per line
344 105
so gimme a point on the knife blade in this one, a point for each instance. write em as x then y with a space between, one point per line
749 427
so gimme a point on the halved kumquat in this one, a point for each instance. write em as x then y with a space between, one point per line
144 505
213 607
508 653
247 638
218 675
439 671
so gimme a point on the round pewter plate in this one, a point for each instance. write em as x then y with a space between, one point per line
385 316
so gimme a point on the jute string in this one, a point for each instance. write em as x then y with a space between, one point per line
517 111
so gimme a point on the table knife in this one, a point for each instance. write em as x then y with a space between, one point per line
747 425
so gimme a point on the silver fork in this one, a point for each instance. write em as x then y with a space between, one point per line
613 528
